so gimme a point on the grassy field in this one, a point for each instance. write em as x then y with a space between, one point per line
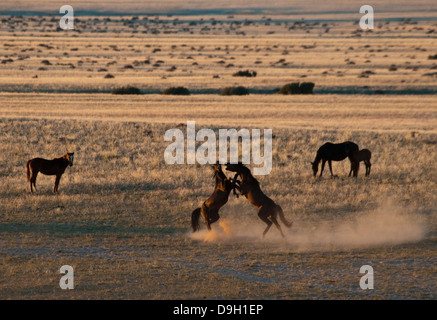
122 215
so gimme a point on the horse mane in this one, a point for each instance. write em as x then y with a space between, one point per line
246 171
218 175
317 159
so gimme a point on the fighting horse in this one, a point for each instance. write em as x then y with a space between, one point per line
211 207
361 155
268 210
333 152
55 167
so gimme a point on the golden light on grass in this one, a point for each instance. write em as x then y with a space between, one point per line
122 216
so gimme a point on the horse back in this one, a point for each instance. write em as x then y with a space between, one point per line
363 154
337 151
48 167
218 199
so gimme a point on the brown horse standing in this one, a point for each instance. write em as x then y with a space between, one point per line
361 155
268 210
333 152
211 207
55 167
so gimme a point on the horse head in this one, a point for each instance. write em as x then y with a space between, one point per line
218 172
315 167
239 168
70 157
235 167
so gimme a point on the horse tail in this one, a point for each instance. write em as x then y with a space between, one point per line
28 170
284 221
195 219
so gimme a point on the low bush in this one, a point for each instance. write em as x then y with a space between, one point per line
177 91
245 73
296 88
230 91
125 90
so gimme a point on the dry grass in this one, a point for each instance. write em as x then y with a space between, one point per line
122 217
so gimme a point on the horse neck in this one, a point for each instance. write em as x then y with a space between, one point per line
317 159
219 181
248 177
65 161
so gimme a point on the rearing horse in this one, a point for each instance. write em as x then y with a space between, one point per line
334 152
268 210
53 167
211 207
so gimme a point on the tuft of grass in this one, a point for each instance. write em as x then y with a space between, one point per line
245 73
392 68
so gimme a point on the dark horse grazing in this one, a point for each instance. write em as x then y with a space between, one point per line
211 207
333 152
268 210
361 155
55 167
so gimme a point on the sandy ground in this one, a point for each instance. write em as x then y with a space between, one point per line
122 217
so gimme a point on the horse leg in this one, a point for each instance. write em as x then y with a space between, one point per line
273 218
58 178
263 215
30 183
33 181
204 212
323 167
368 165
357 168
352 168
330 167
213 217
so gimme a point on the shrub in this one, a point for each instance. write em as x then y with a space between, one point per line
177 91
296 88
307 87
290 88
245 73
229 91
125 90
7 61
432 57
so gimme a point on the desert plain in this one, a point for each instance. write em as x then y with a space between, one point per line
121 218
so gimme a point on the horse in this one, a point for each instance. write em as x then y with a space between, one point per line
53 167
333 152
211 207
268 210
361 155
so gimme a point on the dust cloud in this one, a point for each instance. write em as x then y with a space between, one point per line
389 224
